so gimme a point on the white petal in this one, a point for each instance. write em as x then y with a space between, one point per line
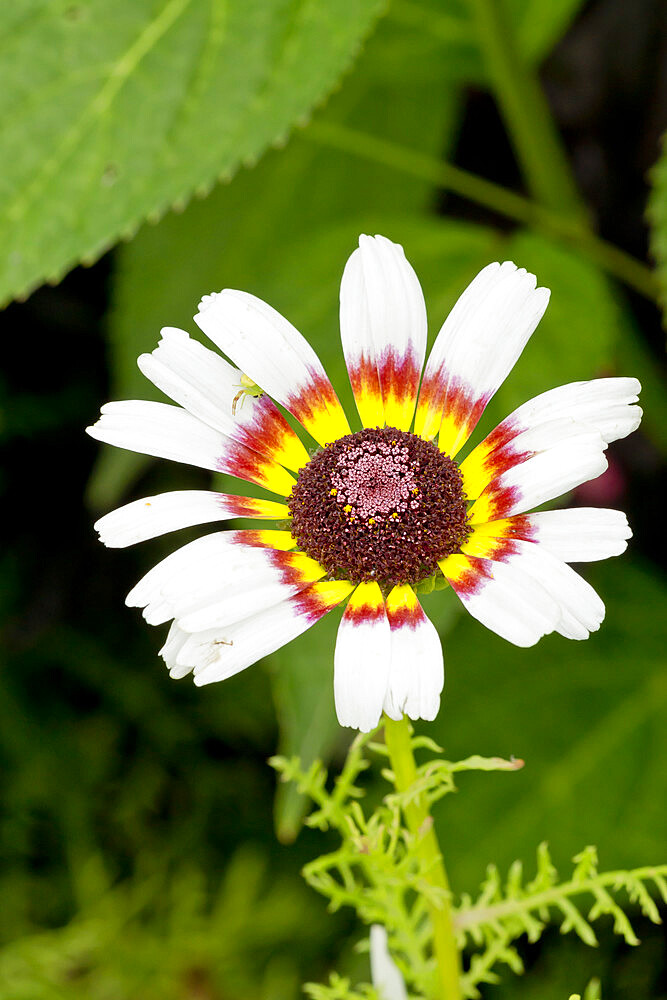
486 465
416 671
171 432
199 379
605 404
385 975
160 430
188 556
540 437
228 579
361 660
383 331
478 345
220 592
546 475
153 516
178 575
219 653
209 388
274 355
582 611
581 534
264 578
176 639
503 597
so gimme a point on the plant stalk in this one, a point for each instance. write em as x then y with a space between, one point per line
524 108
420 824
493 196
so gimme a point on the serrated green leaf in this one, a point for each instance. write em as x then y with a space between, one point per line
112 115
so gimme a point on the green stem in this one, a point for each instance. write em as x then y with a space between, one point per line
540 151
524 107
492 196
420 824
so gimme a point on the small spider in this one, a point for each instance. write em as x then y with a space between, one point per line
246 388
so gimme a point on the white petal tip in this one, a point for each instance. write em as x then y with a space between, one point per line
173 333
202 681
524 643
426 712
363 725
111 543
206 302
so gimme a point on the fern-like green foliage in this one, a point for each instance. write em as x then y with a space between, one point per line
378 870
339 988
505 911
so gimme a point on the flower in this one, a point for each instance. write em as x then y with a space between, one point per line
374 512
385 974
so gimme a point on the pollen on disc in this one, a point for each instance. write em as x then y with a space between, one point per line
381 504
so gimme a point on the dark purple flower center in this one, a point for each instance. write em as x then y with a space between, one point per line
381 505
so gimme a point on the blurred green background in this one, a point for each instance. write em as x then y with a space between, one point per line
145 850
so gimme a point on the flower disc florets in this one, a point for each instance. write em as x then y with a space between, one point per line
381 505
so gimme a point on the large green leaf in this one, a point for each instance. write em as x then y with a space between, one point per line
112 114
586 717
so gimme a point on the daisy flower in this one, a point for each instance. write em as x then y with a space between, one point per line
366 516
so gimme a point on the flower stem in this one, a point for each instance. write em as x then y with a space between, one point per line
561 210
524 107
448 966
562 227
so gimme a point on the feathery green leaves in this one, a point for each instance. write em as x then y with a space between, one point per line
505 911
378 870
